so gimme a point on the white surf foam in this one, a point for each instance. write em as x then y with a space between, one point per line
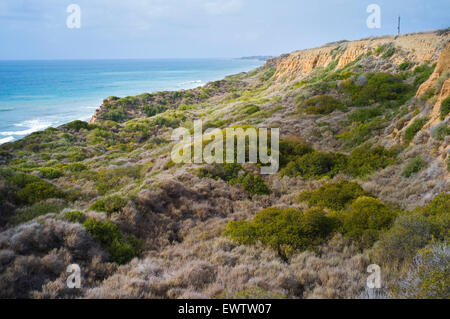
6 139
31 126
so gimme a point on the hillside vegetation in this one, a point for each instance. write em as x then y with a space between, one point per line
364 179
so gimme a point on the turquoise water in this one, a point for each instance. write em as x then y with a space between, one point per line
35 95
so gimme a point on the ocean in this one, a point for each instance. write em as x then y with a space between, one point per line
35 95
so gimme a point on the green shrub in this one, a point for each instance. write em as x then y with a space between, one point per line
366 114
428 94
316 165
414 128
107 180
154 109
38 209
115 114
388 53
323 105
75 217
38 191
366 219
422 73
380 49
445 108
110 205
361 133
99 136
333 195
405 66
18 179
253 184
50 173
292 147
440 205
429 277
77 167
250 109
409 233
366 160
283 230
226 171
120 249
77 126
168 119
380 87
414 166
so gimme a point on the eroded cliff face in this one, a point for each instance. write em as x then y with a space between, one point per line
442 68
415 48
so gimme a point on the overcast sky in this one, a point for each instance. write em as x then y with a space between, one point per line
36 29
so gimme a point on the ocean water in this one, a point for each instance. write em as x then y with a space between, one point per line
35 95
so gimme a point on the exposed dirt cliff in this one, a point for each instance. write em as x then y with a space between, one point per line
415 48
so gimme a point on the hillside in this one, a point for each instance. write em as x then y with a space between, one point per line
364 179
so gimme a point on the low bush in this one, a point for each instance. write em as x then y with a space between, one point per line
333 195
409 233
107 180
283 230
250 109
405 66
292 147
445 108
37 192
77 126
380 87
366 160
366 114
77 167
414 128
323 105
154 109
440 205
100 136
429 277
17 179
362 132
414 166
388 53
110 205
422 73
253 184
116 114
50 173
38 209
75 217
366 219
316 165
226 172
120 249
428 94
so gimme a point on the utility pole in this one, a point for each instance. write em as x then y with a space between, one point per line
399 20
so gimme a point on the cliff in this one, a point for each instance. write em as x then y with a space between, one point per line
415 48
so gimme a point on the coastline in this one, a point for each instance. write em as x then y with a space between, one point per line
81 109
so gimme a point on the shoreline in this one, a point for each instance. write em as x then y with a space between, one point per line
8 136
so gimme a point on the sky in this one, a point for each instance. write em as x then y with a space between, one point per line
135 29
